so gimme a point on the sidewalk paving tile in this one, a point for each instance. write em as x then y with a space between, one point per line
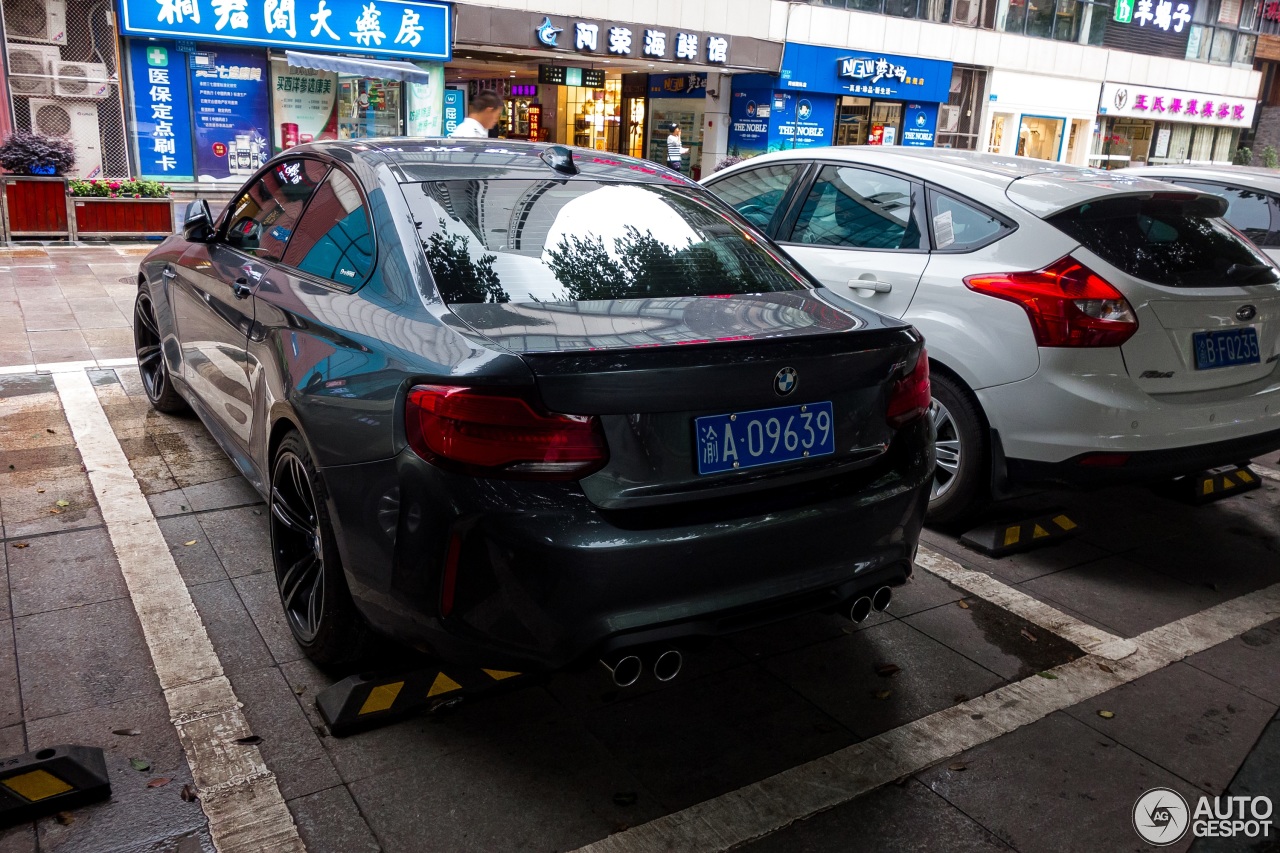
1203 736
259 594
197 563
241 538
64 570
10 697
906 818
234 636
1250 661
329 822
1054 785
840 677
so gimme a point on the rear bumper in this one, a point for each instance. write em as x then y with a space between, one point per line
1151 465
543 578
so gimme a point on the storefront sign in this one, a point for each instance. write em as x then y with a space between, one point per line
453 110
677 85
560 75
1124 11
426 103
161 110
920 123
1161 14
876 75
304 101
417 29
1122 99
229 88
807 119
630 40
748 129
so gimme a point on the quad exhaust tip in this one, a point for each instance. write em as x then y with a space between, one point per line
880 601
861 609
667 665
626 670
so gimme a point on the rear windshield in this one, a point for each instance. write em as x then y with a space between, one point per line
510 240
1171 240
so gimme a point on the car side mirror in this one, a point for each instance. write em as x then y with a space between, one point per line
197 223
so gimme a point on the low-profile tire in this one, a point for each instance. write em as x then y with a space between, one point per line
147 346
962 481
313 589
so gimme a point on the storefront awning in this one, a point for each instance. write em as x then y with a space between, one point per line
388 69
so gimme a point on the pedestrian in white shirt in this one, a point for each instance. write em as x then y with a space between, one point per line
482 114
675 151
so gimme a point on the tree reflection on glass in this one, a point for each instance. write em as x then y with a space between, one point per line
642 266
458 277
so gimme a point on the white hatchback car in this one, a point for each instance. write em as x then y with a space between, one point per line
1252 194
1083 327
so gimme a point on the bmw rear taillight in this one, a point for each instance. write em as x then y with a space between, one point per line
1068 304
910 397
501 435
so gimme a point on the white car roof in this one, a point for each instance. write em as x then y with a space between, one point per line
1041 187
1248 176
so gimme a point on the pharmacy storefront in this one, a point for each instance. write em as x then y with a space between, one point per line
1148 125
1048 118
834 96
216 87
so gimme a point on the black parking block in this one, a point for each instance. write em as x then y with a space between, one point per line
64 570
64 664
1203 736
1018 568
695 741
1250 661
1122 595
844 677
137 817
1055 785
902 818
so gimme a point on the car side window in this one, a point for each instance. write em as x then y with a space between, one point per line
262 218
959 226
756 193
334 240
1252 212
859 208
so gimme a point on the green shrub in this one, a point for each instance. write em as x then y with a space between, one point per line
132 188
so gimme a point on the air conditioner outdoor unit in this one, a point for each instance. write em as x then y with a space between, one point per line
31 69
965 12
37 20
948 118
81 80
78 122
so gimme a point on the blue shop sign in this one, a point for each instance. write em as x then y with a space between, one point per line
414 29
454 111
161 110
841 71
920 125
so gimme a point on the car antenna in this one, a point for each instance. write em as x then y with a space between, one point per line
560 158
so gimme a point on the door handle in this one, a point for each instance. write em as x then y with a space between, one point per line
241 289
871 284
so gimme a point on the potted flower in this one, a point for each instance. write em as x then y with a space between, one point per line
35 194
120 208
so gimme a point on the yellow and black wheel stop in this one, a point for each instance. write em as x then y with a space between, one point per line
365 701
1000 540
1218 483
51 780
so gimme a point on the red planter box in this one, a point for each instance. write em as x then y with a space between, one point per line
36 206
96 217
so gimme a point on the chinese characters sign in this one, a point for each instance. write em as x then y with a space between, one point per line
836 71
1121 99
632 41
1164 14
230 93
161 109
677 85
304 101
418 29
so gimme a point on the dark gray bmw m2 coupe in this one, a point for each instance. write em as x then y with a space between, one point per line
525 406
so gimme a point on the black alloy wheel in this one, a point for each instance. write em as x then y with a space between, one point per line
151 364
313 590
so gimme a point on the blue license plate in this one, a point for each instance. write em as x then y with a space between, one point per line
764 437
1226 348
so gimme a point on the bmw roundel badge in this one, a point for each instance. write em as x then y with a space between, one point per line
786 380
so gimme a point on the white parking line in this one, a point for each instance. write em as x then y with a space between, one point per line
1264 471
758 810
239 795
1083 635
65 366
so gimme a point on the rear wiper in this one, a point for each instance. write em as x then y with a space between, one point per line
1242 273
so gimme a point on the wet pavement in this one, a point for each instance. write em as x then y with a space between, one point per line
574 760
